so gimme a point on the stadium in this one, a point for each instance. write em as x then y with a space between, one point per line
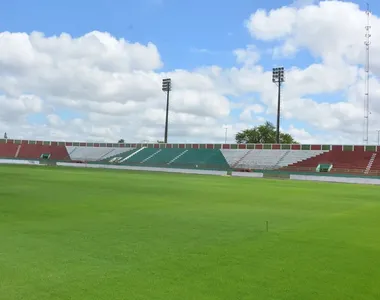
354 160
273 219
120 229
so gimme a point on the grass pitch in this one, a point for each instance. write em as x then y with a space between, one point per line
96 234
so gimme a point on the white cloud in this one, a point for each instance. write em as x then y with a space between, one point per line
273 24
112 83
14 108
248 56
301 135
114 86
332 32
249 114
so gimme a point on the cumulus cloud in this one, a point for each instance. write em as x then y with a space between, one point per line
110 88
97 74
333 33
248 56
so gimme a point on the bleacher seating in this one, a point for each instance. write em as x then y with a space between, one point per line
82 153
233 156
266 159
176 158
8 150
356 161
375 167
202 158
120 157
162 156
343 158
294 156
30 151
140 156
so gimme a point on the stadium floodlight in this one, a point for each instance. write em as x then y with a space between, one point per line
225 134
278 77
166 87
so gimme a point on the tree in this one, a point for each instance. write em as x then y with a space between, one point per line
160 142
263 134
121 141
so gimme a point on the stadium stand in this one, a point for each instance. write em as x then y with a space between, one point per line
364 160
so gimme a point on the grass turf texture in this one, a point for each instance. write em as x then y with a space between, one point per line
96 234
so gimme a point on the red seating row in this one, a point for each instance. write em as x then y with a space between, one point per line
35 151
29 151
8 150
350 160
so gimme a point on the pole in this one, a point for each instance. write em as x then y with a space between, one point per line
278 112
367 44
225 135
167 117
378 137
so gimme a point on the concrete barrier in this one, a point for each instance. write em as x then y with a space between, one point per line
357 180
19 162
151 169
248 174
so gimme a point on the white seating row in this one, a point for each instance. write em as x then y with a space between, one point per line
266 159
93 153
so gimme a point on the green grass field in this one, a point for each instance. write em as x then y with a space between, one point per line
97 234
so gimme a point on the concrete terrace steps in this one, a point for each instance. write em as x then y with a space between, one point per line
370 163
18 151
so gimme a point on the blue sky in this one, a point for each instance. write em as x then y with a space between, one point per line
175 26
188 34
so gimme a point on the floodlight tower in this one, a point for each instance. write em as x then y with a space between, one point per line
225 134
167 87
367 44
278 78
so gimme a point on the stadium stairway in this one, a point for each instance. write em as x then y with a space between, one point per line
374 169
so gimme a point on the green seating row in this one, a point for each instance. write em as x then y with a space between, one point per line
176 158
